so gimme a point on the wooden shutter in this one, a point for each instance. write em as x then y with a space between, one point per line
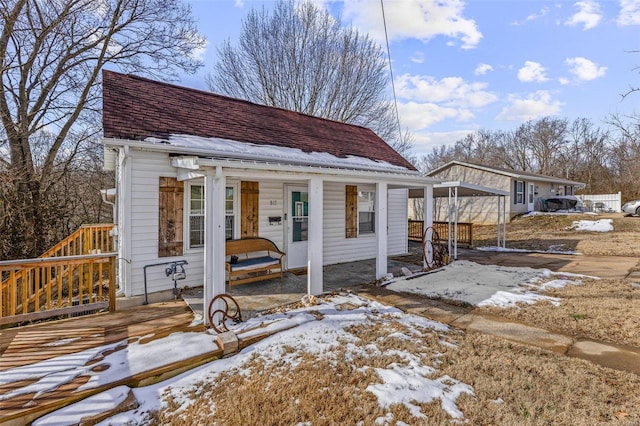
171 223
351 211
249 192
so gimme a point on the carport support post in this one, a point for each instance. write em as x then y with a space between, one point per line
214 238
381 229
314 246
427 213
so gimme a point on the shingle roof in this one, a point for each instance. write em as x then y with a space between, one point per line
136 108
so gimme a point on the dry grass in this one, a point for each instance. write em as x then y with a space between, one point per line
544 231
327 389
513 384
517 384
607 310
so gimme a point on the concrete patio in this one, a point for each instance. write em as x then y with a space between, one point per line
264 295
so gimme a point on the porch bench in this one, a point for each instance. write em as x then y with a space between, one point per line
252 259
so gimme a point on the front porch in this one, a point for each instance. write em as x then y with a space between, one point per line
269 294
34 345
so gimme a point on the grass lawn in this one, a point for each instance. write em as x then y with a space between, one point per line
475 378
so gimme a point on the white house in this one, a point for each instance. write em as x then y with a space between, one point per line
194 169
527 191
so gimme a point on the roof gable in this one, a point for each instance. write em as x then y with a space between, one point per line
516 174
137 108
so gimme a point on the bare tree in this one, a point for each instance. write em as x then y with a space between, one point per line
625 154
586 158
51 55
301 58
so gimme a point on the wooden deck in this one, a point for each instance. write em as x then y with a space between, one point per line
30 344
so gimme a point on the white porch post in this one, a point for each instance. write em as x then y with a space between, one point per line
427 212
381 229
214 241
315 284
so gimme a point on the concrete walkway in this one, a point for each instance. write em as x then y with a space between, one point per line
358 277
618 357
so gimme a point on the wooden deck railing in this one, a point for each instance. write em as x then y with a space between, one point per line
40 288
85 240
465 231
68 278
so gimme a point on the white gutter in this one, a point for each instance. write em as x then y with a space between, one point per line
246 168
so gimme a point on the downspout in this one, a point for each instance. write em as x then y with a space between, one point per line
123 233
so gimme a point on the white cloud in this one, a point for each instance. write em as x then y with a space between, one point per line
449 91
482 69
424 142
532 72
238 3
629 13
417 116
417 58
584 69
588 15
534 105
418 19
543 12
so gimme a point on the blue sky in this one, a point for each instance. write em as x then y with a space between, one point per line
490 64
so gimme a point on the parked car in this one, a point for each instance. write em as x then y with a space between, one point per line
632 207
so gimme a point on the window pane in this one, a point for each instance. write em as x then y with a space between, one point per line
228 227
196 231
367 222
196 202
300 229
228 202
366 212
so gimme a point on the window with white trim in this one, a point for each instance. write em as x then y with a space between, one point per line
366 212
519 192
196 214
230 213
568 190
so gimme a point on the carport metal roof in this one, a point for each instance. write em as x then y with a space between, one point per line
454 189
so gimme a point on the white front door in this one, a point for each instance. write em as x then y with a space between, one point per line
531 196
297 229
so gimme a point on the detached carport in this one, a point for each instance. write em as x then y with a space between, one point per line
454 190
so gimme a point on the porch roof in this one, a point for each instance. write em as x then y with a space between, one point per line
190 167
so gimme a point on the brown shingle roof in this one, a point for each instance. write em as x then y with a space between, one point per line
136 108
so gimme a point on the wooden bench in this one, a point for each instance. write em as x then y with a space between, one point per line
253 259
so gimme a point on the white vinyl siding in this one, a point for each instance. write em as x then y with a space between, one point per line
336 247
271 203
147 168
397 214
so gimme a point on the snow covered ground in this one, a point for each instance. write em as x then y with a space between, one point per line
403 383
483 285
602 225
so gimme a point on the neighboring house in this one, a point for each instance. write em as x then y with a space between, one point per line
194 169
528 191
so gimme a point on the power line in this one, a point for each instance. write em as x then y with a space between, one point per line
393 86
